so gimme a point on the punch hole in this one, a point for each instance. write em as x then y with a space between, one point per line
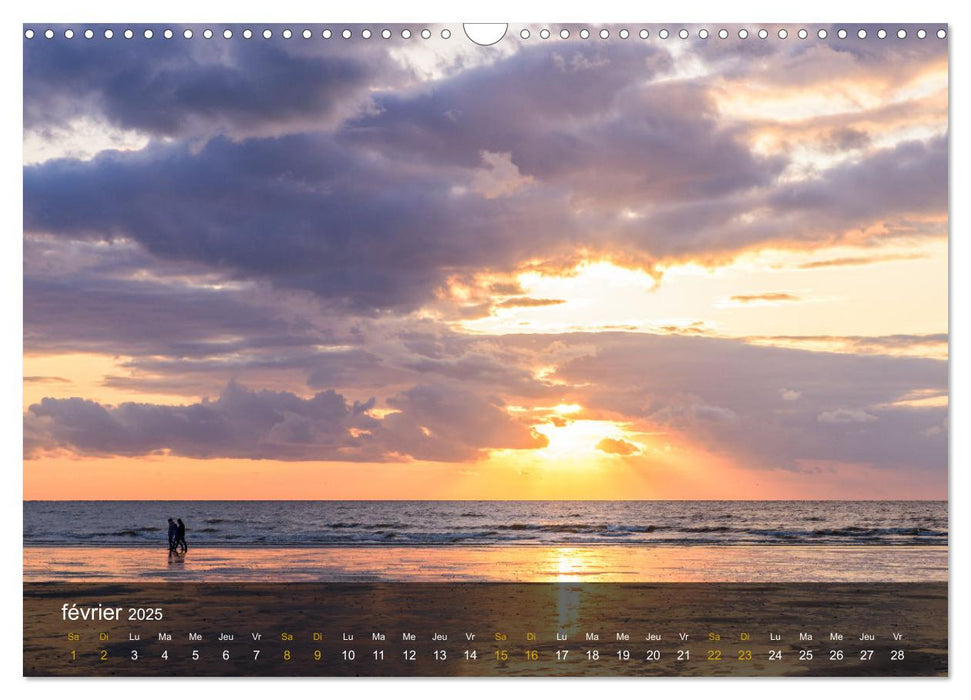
487 34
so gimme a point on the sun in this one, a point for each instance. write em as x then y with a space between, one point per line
578 440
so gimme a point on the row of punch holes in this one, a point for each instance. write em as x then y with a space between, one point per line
524 34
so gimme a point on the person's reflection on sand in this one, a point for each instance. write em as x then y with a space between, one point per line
176 558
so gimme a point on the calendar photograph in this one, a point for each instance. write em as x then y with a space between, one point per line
400 350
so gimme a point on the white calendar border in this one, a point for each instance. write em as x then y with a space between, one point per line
600 11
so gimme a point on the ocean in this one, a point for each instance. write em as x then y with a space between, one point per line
484 523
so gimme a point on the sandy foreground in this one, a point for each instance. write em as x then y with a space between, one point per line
491 629
599 563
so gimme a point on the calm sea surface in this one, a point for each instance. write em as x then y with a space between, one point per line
330 523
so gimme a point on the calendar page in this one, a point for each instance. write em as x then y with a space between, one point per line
485 350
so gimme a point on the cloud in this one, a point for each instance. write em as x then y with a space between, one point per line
47 380
527 302
499 178
300 212
934 345
723 395
845 415
432 423
618 446
198 89
452 405
444 424
768 296
371 189
848 261
289 215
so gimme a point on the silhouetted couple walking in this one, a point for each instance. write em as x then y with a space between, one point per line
177 536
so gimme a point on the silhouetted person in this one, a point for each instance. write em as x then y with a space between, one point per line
180 537
173 533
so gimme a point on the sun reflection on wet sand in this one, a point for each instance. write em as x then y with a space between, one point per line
605 563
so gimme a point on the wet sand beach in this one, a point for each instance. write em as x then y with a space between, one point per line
598 563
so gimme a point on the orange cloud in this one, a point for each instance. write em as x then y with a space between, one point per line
617 447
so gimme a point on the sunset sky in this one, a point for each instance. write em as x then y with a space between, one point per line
418 268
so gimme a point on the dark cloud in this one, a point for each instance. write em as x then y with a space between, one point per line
196 88
910 178
893 190
730 397
434 423
439 423
240 423
378 210
845 139
766 407
299 211
585 117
